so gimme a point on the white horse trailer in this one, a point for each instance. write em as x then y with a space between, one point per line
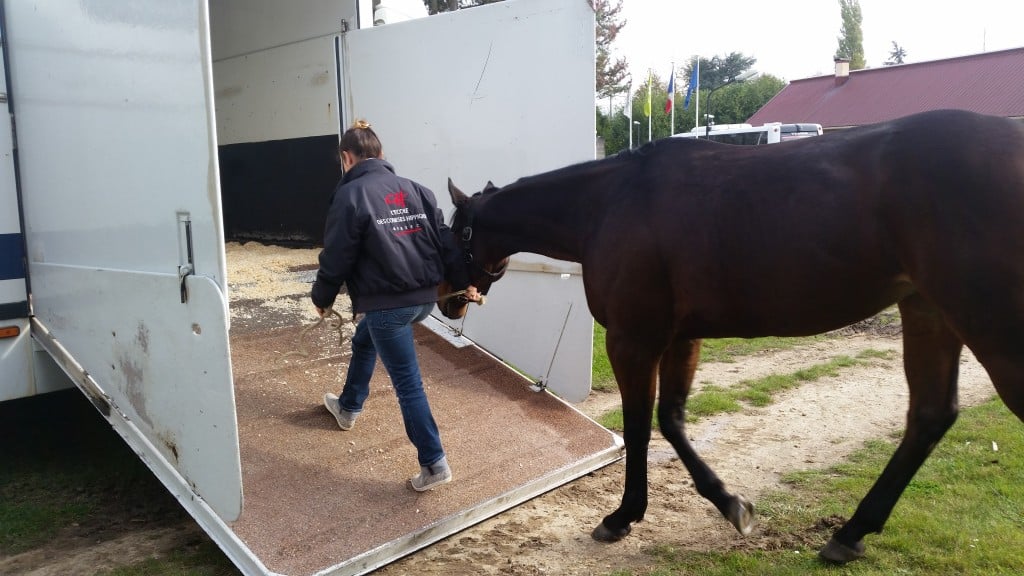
144 134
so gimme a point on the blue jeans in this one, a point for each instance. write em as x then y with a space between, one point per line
388 333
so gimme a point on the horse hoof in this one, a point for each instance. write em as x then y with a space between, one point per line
603 534
838 553
741 514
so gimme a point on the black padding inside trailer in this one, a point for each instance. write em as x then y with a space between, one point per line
278 191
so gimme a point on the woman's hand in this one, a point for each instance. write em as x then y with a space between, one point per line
472 294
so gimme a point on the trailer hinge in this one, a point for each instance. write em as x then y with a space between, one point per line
344 25
186 263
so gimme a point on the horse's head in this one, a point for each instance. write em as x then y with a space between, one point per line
483 265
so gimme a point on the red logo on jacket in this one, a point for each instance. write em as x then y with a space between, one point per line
396 199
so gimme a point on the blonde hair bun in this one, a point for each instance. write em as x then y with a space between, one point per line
361 124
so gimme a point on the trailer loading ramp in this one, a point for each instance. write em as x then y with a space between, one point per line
322 501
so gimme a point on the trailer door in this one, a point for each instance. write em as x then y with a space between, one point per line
118 165
495 92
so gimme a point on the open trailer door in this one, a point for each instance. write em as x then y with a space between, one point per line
118 171
495 92
125 252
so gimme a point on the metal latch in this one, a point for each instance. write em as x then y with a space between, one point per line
186 263
184 271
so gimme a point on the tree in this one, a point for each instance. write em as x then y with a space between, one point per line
737 102
611 72
851 37
716 71
896 55
733 104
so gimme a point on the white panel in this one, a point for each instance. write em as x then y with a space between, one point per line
115 133
16 362
47 375
494 93
285 92
244 26
523 321
12 290
504 91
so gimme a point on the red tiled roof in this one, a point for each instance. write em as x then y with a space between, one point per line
990 83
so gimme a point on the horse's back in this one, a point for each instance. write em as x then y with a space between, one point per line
834 227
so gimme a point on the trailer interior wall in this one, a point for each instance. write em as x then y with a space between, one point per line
277 114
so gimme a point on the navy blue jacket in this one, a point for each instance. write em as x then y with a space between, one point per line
386 239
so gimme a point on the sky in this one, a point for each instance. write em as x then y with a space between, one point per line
794 39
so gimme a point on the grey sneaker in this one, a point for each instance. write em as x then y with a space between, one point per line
432 476
346 420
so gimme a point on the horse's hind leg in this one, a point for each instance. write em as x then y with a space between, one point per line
633 363
678 365
931 353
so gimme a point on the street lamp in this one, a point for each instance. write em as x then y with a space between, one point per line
734 80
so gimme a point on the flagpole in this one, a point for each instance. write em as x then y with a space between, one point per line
672 95
629 105
650 111
696 101
691 87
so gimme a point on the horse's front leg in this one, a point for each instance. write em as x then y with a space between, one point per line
678 366
634 366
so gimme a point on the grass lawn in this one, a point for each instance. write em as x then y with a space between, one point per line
962 514
716 350
65 474
713 400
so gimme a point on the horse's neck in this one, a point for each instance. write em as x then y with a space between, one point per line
540 218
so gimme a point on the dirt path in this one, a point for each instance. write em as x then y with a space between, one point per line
813 426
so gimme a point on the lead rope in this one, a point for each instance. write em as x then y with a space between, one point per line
333 320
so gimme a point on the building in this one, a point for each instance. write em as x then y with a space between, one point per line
989 83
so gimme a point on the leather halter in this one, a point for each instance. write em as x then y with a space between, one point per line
467 250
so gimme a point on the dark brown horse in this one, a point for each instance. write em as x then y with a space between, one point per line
682 240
